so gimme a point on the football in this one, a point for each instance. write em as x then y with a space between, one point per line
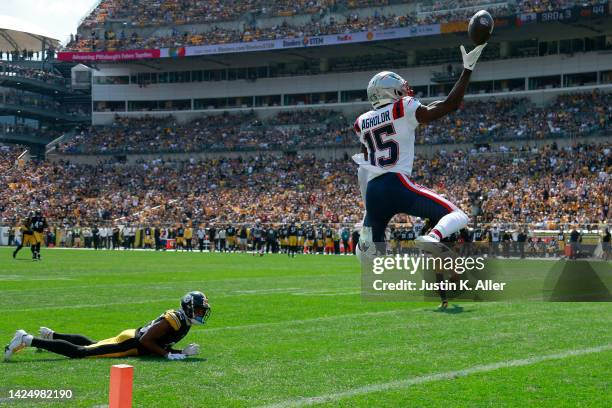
480 27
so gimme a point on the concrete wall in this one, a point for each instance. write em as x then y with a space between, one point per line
486 71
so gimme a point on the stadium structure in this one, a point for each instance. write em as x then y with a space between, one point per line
536 55
221 86
38 103
260 63
225 130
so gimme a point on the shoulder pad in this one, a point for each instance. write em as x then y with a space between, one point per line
174 318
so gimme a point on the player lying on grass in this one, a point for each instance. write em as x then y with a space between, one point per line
155 338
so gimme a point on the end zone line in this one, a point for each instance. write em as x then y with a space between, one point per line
393 385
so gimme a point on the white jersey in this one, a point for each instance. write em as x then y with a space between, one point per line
388 135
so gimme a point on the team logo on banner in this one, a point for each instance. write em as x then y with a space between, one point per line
176 52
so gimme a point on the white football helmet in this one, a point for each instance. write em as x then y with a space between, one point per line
387 87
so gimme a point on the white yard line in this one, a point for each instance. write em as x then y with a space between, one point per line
20 278
399 384
279 291
261 291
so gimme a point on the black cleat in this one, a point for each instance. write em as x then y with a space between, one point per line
443 305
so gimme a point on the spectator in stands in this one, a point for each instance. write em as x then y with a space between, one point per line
575 239
605 245
140 14
568 115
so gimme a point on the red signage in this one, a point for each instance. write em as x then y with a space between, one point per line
108 55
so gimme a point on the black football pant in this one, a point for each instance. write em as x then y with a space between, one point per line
77 346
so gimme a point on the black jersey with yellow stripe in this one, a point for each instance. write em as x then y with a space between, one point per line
38 223
179 323
25 227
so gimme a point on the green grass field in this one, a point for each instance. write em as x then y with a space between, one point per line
295 332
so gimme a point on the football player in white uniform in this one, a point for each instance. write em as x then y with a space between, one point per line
387 137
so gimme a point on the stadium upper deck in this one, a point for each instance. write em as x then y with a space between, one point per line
543 45
161 26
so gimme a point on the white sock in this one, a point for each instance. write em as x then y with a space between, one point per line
434 236
450 223
27 339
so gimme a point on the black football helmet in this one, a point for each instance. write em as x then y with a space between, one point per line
195 306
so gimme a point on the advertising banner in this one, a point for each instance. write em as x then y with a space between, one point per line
108 55
302 42
568 14
267 45
454 27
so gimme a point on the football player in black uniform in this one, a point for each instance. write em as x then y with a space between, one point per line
230 234
300 238
154 338
27 236
292 240
284 238
310 239
38 224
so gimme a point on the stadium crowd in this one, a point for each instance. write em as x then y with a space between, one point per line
174 13
478 121
539 6
146 13
544 187
574 114
8 69
219 132
8 157
94 35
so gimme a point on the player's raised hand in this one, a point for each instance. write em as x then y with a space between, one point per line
191 350
470 59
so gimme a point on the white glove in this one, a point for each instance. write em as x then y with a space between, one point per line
469 60
191 350
176 356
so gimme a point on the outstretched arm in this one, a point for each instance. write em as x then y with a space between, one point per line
150 339
438 109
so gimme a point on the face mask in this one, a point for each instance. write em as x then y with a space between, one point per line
200 319
197 320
